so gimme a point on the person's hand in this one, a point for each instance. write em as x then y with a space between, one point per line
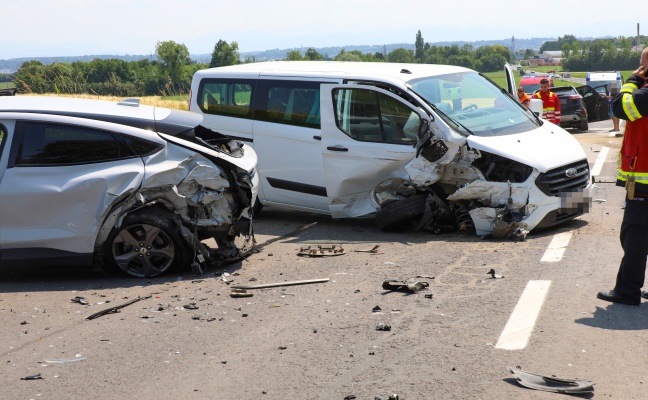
641 72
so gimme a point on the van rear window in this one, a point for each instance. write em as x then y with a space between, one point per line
228 97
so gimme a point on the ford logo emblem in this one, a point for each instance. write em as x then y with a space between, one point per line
571 172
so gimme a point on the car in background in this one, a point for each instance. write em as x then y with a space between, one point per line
596 102
572 108
531 84
122 185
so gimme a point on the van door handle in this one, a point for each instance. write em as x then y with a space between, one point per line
337 148
317 137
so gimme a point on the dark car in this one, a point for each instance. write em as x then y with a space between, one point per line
596 102
572 108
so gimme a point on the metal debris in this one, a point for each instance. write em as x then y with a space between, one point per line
320 250
494 275
116 309
240 293
373 250
268 285
551 383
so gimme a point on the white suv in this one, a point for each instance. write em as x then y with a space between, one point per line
141 187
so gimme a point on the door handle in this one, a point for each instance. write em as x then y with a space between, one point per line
337 148
317 137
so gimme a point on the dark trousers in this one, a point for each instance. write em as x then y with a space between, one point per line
634 241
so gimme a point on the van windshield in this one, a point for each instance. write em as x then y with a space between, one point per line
472 104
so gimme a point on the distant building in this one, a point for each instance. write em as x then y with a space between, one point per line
551 58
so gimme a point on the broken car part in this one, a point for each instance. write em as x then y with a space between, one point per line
551 383
383 327
31 377
80 300
320 250
269 285
373 250
116 309
412 286
240 293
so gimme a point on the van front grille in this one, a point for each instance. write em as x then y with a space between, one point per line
568 178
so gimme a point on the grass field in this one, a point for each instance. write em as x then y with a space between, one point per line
7 85
175 102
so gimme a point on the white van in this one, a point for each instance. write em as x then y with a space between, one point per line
612 80
434 146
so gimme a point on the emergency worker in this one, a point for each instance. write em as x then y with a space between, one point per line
631 104
550 102
524 98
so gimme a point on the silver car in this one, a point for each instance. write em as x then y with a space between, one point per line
142 188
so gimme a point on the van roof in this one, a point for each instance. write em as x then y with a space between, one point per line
336 69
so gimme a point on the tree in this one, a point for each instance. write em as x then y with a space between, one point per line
419 46
293 55
566 48
401 55
313 55
224 54
173 57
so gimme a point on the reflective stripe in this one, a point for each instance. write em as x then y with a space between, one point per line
640 177
629 107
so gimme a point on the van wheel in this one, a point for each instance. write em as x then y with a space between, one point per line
584 126
146 245
402 214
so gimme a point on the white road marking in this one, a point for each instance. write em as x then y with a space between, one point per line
598 165
557 247
519 327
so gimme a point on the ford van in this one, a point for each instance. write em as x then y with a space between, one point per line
425 146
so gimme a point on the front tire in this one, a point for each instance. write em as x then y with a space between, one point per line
402 214
146 245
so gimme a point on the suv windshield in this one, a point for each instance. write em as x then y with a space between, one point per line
472 104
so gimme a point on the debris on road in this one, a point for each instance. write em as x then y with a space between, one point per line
383 327
494 275
321 250
31 377
268 285
376 309
190 306
71 360
116 309
412 286
373 250
240 293
551 383
80 300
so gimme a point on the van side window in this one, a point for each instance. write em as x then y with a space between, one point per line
228 97
369 116
289 102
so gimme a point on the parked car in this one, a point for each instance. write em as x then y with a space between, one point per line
436 146
572 108
596 102
119 184
531 84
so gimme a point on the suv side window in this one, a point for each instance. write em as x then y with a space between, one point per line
51 144
289 102
369 116
228 97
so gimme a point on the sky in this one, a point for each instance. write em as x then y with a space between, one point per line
50 28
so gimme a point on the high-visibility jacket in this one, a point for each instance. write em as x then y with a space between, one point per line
524 99
631 104
550 106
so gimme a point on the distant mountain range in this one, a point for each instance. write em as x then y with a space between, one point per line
12 65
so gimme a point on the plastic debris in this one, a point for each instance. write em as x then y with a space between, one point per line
551 383
71 360
383 327
116 309
494 275
240 293
190 306
80 300
412 286
31 377
376 309
373 250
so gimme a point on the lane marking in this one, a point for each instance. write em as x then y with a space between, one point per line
557 247
598 165
519 327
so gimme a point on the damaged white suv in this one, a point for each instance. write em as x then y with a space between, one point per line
86 182
421 145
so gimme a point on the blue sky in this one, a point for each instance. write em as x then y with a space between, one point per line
39 28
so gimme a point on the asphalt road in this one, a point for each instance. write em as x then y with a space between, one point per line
319 341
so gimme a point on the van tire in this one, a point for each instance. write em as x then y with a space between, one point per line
402 214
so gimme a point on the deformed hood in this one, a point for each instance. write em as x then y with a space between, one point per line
544 148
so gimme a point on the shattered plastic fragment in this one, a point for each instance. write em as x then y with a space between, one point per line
551 384
413 286
80 300
71 360
31 377
493 275
383 327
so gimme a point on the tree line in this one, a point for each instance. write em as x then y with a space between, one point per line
172 71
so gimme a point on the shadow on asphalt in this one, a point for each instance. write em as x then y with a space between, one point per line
618 317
